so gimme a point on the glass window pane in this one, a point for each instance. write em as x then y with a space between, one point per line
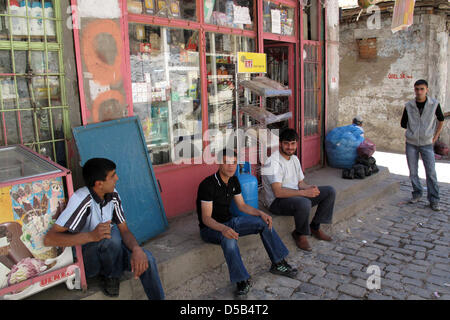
5 62
165 75
27 123
278 19
230 13
12 127
178 9
221 51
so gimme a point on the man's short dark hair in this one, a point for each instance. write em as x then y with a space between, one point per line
226 153
96 169
421 81
288 134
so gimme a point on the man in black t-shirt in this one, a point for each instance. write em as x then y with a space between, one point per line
218 226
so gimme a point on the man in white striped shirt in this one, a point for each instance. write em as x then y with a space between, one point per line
94 219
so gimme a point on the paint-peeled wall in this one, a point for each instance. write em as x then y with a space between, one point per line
378 88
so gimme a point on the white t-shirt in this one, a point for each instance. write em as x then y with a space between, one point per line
278 169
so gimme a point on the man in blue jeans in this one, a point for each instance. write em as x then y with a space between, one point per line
218 226
94 219
419 120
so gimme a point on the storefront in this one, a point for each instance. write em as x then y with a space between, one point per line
172 63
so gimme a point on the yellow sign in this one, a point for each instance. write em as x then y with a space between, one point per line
250 62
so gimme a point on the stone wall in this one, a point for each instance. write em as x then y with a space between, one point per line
378 88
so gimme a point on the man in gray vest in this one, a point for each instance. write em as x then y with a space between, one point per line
419 120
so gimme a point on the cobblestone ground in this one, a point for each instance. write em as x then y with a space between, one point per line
410 244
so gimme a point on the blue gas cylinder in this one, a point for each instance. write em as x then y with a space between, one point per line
249 188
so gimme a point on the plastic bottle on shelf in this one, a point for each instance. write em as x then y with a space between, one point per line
23 10
49 13
36 25
229 10
17 23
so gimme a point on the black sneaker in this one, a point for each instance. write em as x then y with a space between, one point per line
435 206
282 268
243 288
110 286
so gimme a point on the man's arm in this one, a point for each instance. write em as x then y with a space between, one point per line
440 118
210 222
138 261
58 236
242 206
439 127
404 121
281 192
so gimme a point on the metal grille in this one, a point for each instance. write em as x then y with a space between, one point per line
33 107
311 89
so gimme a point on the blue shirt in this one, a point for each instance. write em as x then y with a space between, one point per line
86 210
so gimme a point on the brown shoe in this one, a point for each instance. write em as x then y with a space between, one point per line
301 241
319 234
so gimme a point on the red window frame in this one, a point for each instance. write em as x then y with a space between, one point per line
199 25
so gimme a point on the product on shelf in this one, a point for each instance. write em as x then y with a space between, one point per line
149 7
174 8
134 6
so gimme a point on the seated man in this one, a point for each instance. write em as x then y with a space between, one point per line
94 218
218 226
286 193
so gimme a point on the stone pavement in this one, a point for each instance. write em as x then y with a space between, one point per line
410 244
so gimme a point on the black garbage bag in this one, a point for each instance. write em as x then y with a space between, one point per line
374 168
368 170
366 161
348 173
360 172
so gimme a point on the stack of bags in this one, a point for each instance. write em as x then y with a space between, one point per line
365 165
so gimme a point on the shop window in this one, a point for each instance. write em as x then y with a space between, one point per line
230 13
165 76
310 25
32 98
221 52
278 19
174 9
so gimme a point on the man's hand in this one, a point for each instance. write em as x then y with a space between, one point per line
435 139
230 233
139 262
311 192
102 231
266 218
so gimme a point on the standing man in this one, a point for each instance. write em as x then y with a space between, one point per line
218 226
94 219
286 193
419 120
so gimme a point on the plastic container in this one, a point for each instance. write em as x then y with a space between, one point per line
49 24
249 188
18 24
36 25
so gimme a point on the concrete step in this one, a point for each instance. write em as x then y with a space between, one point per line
185 261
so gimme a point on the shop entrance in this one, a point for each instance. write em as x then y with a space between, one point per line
280 67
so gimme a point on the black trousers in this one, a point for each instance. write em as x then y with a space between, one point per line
300 208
